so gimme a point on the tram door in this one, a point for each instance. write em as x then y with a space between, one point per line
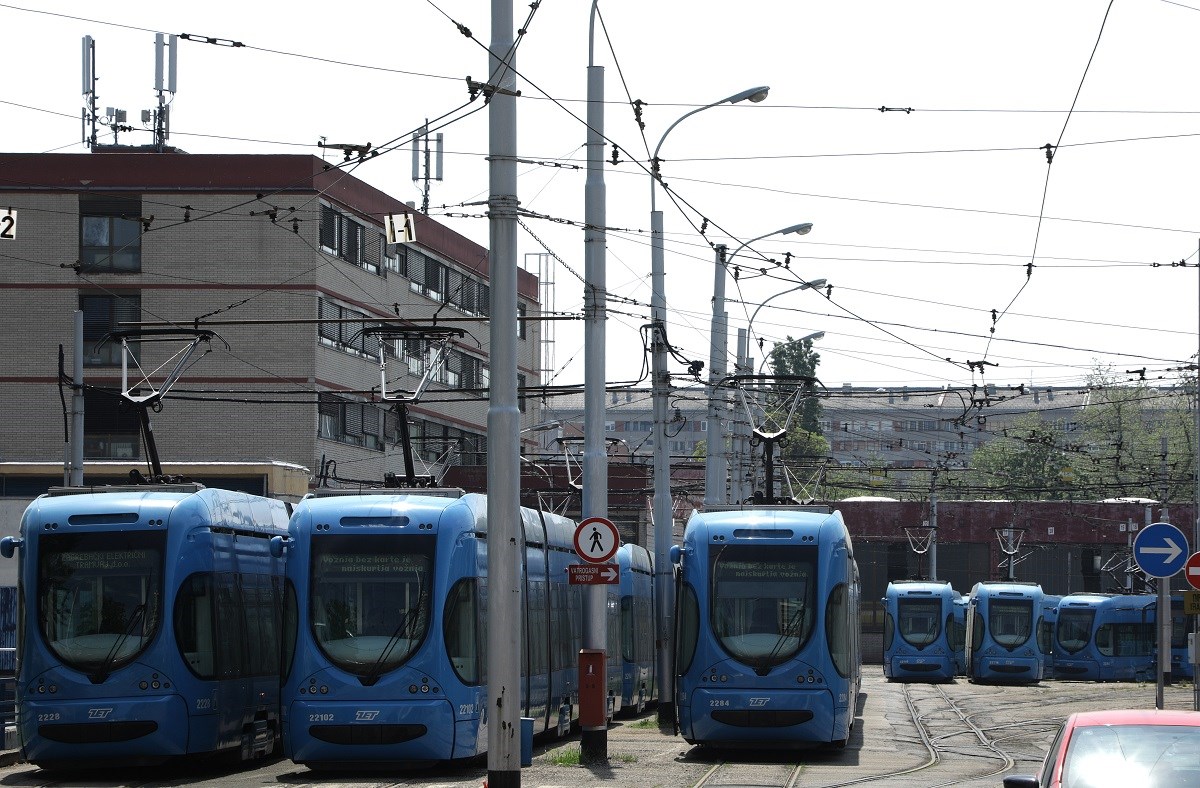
973 635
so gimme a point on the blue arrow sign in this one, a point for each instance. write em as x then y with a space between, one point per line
1160 550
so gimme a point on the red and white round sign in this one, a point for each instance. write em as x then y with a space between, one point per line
596 540
1191 570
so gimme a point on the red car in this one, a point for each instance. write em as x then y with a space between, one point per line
1122 749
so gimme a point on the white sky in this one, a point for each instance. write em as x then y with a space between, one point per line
924 222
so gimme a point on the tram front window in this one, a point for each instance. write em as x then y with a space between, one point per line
371 597
920 620
99 596
763 601
1010 621
1075 628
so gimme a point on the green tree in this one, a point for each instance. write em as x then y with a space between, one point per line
1025 461
793 357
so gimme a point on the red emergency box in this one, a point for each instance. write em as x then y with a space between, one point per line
593 689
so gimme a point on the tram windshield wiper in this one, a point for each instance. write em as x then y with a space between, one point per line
789 631
402 630
102 672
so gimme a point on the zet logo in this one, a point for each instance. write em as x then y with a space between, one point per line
759 701
99 714
365 716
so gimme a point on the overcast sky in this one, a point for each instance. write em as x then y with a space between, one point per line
947 236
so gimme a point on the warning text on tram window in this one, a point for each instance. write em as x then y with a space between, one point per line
108 559
368 563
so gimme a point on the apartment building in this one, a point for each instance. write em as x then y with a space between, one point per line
285 259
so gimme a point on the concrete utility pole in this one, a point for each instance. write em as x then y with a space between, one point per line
715 466
506 539
933 525
593 741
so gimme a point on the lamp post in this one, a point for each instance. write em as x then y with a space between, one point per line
815 284
813 337
660 385
715 464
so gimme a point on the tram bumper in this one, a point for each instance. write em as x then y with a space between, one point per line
363 732
766 718
103 729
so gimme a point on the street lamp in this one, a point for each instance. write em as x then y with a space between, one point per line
815 284
660 385
715 463
813 337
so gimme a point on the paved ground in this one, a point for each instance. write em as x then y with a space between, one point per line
977 732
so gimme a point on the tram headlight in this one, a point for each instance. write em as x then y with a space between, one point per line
412 688
142 684
324 690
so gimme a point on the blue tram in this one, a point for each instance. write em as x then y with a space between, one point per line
151 619
767 645
387 606
918 627
639 684
1002 622
1105 637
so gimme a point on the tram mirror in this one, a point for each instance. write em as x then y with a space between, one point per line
277 546
676 553
9 545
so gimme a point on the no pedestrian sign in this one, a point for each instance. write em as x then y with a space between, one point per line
596 540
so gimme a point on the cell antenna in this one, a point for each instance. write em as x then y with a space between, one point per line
89 91
421 156
166 57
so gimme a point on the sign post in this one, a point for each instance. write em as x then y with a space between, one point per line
1161 550
596 541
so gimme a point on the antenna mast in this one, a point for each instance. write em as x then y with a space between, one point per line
161 117
89 91
421 154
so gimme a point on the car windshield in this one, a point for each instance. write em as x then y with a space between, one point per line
1121 756
371 599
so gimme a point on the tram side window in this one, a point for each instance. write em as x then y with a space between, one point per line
645 624
462 632
231 635
976 629
290 624
688 628
194 624
539 658
560 643
613 621
262 624
628 647
837 629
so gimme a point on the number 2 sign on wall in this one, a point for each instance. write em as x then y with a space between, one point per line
8 225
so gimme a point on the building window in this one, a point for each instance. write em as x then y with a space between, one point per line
522 312
103 313
345 336
110 233
350 240
111 429
345 421
520 392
